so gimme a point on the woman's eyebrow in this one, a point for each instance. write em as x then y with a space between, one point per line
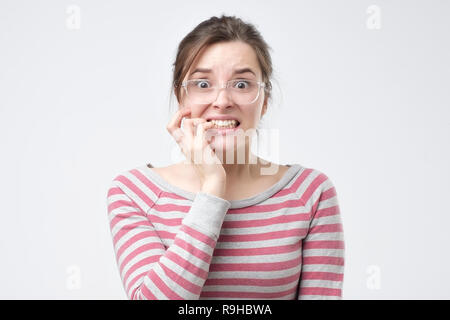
244 70
202 70
237 71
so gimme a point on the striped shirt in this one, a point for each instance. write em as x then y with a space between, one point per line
284 243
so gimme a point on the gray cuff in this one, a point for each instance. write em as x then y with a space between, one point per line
207 212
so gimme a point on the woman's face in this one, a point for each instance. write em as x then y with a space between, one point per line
222 60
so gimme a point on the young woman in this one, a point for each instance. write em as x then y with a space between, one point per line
210 228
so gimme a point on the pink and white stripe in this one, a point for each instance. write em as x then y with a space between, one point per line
289 246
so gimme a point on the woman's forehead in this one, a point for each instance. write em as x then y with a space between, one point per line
227 58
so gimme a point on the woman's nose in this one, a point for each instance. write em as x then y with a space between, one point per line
223 98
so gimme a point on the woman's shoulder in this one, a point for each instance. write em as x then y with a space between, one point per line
132 184
313 178
319 179
310 171
139 176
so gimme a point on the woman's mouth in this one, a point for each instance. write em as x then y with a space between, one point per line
224 126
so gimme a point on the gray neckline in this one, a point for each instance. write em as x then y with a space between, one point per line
241 203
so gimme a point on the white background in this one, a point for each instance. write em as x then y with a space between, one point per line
368 107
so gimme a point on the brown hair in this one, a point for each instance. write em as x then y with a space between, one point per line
219 29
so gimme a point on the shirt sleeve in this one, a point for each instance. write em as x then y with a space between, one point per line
323 249
149 270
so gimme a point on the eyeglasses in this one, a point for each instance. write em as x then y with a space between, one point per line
241 91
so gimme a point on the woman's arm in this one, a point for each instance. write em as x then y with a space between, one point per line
323 248
149 270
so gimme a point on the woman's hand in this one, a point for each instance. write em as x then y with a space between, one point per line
195 146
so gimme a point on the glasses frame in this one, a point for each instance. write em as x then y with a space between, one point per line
225 85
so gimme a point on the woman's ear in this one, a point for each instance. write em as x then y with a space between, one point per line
264 107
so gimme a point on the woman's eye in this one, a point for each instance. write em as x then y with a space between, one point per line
241 84
202 84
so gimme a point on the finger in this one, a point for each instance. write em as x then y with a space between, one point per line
182 141
178 135
175 122
190 124
209 152
174 126
200 145
189 128
200 136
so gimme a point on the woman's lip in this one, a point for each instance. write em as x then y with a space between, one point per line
224 130
239 123
222 118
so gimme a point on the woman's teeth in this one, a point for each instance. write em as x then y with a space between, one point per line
224 123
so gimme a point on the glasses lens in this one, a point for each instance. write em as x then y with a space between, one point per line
202 91
244 91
